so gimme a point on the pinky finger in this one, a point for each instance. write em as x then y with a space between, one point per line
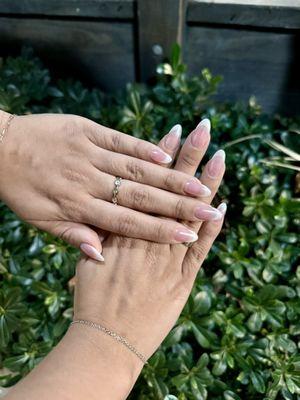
199 250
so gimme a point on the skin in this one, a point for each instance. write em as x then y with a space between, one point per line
138 292
58 171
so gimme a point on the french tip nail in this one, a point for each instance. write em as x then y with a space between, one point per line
222 208
91 252
205 122
205 190
167 159
220 153
176 130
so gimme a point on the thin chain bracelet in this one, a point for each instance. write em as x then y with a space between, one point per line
114 335
6 126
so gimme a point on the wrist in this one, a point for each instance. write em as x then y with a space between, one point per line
118 367
5 148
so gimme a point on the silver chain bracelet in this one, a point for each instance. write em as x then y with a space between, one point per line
114 335
5 129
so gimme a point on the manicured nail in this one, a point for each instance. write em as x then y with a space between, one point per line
222 208
91 252
172 140
215 164
200 136
185 235
208 213
196 188
160 156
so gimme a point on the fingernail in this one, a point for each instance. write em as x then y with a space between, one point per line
91 252
200 136
222 208
215 164
208 213
172 140
185 235
160 156
196 188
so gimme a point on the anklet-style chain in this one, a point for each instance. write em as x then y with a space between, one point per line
6 126
114 335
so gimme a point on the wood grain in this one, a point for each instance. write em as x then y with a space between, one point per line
241 14
160 25
264 64
100 53
76 8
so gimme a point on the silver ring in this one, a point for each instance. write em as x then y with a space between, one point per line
188 244
117 184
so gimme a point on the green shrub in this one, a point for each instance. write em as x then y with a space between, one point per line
238 336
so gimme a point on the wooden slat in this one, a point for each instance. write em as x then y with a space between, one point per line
241 14
123 9
264 64
160 25
100 53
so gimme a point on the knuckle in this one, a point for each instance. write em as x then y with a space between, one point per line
159 232
71 128
179 208
134 171
126 225
140 198
169 180
188 160
137 148
115 141
73 210
199 250
74 176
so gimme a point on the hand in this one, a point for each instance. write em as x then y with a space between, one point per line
58 171
141 289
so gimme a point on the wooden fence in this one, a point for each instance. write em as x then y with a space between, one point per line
110 42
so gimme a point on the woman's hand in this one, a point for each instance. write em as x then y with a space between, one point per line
58 171
138 292
141 289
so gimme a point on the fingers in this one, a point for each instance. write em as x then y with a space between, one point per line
119 142
170 143
152 200
194 148
131 223
144 172
77 235
199 250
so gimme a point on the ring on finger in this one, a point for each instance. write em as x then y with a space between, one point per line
117 184
188 244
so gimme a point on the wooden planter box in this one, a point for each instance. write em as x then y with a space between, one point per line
111 42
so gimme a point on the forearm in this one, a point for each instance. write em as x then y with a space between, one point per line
86 364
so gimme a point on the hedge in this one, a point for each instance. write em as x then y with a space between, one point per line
238 336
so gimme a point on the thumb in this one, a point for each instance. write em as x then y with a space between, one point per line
77 235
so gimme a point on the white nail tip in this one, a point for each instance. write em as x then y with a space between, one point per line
167 159
222 208
220 153
90 251
205 191
194 237
205 122
176 130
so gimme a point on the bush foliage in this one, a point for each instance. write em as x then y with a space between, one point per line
238 336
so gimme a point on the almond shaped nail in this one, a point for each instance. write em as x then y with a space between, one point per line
91 252
196 188
215 164
172 140
185 235
160 156
207 213
222 208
